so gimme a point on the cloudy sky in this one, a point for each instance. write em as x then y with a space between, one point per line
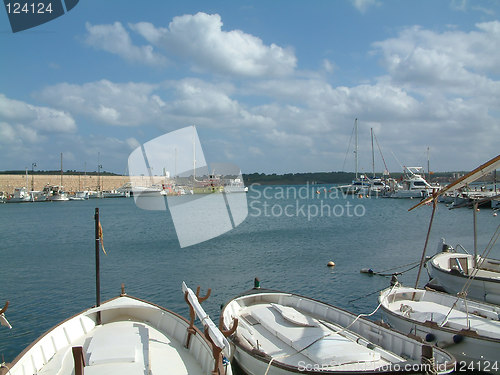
272 86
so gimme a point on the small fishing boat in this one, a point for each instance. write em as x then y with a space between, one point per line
285 333
470 330
125 335
455 271
20 195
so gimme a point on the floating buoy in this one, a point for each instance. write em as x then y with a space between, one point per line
367 270
494 214
331 264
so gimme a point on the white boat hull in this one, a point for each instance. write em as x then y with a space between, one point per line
136 337
422 313
485 286
265 343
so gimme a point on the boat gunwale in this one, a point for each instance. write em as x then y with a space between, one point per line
47 332
433 325
266 358
459 274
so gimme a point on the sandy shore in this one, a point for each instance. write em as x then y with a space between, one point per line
71 183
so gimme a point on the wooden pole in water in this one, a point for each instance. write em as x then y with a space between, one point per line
97 265
434 203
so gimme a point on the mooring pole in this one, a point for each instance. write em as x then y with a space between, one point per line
97 266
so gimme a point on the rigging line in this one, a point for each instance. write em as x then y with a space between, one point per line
484 255
379 150
466 286
334 332
348 148
404 265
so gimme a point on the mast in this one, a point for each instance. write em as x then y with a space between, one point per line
194 155
428 166
61 169
356 144
373 154
26 178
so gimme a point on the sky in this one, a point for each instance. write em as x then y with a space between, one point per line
271 86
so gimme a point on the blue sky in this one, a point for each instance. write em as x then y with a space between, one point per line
272 86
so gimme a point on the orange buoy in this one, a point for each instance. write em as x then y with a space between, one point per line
331 264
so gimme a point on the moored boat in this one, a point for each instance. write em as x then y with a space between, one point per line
21 195
124 335
285 333
469 330
455 272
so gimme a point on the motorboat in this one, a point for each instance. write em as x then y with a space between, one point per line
125 335
413 185
285 333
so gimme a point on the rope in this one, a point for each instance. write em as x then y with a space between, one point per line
473 274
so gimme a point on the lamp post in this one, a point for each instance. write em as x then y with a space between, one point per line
33 165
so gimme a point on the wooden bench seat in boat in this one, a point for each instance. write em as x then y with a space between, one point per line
305 335
423 311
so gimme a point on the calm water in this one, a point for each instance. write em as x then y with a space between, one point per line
47 253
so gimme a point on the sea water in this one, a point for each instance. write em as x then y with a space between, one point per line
47 253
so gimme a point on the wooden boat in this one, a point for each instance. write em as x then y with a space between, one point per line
285 333
457 271
125 335
470 330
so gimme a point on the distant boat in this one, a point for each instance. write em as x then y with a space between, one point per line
115 194
413 185
80 196
284 333
20 195
55 193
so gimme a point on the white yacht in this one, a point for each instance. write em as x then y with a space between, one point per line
413 185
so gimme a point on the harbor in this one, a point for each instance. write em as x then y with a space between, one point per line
292 255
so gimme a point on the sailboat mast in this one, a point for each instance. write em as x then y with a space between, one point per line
373 154
356 144
61 169
194 155
428 166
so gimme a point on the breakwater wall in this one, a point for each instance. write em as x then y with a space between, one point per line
8 182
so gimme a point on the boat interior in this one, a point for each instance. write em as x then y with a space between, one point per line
444 310
134 338
464 264
294 330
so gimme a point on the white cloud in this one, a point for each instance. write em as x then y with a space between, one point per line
452 62
124 104
115 39
363 5
200 40
21 121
